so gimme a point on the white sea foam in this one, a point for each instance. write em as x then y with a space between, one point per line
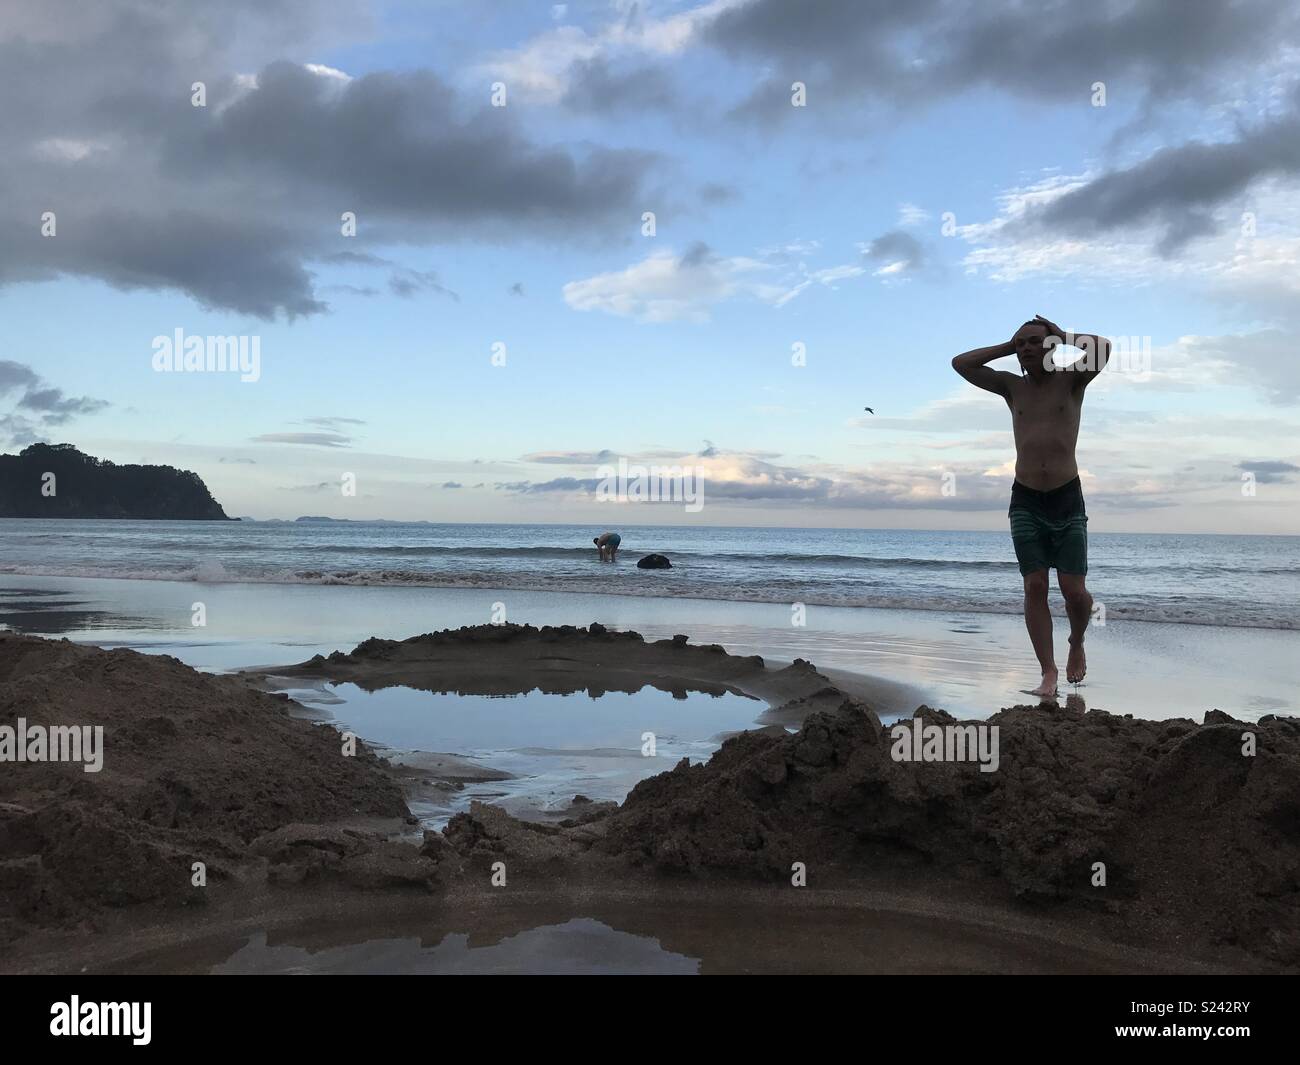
680 585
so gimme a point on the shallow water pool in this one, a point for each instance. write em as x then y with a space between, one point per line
534 752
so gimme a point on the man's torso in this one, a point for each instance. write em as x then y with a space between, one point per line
1045 421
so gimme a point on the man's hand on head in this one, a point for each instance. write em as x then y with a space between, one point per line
1053 330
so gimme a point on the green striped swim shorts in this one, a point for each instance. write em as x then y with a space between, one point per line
1049 529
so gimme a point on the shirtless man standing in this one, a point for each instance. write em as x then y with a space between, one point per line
1049 526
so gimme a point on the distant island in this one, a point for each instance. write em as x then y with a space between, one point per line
58 481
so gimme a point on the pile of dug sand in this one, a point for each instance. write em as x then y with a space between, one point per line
1199 841
195 768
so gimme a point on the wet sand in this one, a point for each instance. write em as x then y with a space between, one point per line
670 928
970 664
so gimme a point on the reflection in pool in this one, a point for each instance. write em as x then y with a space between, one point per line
530 753
578 946
689 930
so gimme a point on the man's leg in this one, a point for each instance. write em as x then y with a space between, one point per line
1038 620
1078 604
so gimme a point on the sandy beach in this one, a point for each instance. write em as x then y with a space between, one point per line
313 857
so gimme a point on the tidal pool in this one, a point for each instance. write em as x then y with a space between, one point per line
534 752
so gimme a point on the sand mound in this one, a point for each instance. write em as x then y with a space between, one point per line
195 768
1194 836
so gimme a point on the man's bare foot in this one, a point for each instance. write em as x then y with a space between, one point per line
1047 689
1077 666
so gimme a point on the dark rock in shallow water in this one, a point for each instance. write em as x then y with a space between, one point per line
654 562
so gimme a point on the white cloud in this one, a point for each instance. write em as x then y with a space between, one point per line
665 287
322 71
1261 269
826 277
1264 361
539 69
68 149
793 249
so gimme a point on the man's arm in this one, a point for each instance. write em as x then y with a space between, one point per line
972 365
1096 352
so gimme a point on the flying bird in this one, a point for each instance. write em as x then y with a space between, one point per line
868 410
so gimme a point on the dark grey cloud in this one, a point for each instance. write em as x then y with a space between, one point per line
595 88
39 405
452 484
235 204
572 458
896 246
408 283
354 258
330 422
56 408
314 439
16 375
123 66
20 431
400 146
885 53
1178 189
221 260
558 484
1269 471
697 254
403 281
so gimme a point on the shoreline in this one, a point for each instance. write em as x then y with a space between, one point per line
493 585
1163 802
965 662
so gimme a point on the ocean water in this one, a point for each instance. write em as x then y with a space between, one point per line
1250 581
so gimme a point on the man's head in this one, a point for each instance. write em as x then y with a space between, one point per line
1032 349
596 540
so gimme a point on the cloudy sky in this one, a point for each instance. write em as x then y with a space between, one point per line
956 167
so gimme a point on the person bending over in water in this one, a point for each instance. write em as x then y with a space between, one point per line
1049 526
607 544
